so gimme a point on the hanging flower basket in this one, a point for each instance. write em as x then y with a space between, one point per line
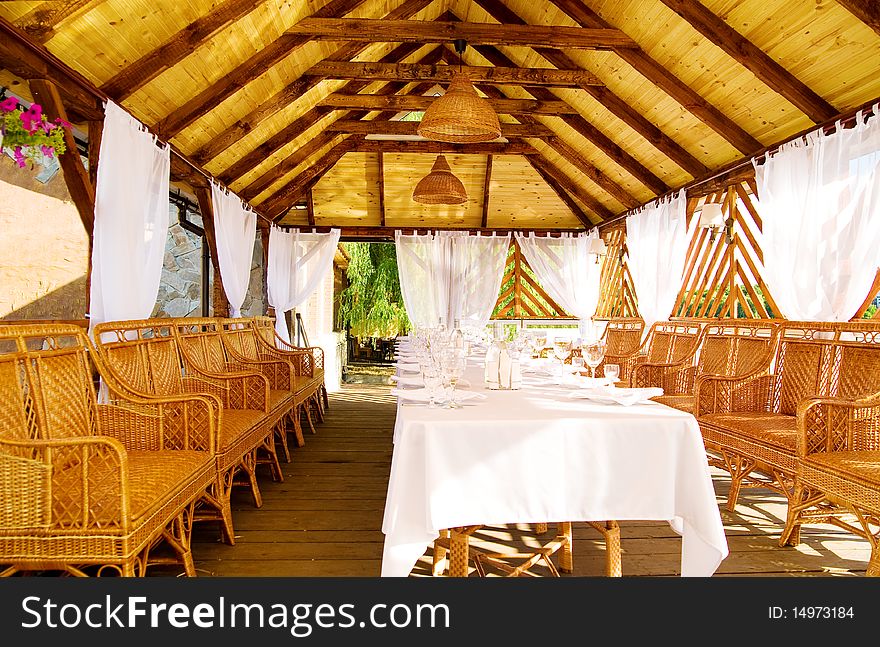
28 134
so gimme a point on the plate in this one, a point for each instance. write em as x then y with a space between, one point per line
613 395
421 395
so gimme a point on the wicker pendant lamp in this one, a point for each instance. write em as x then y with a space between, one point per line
460 116
440 186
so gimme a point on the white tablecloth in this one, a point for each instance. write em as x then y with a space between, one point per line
534 455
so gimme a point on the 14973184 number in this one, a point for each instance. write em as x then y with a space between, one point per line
811 613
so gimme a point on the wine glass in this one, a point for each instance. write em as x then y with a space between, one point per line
612 372
432 380
594 353
539 343
561 349
452 367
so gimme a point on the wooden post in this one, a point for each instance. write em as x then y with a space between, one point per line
206 207
264 238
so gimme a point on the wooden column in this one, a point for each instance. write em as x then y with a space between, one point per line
206 207
264 238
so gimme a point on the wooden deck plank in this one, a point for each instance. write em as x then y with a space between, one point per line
325 519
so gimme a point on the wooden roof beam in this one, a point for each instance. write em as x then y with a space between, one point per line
297 88
667 82
419 31
255 66
42 22
444 73
614 104
410 102
561 185
738 47
868 11
381 127
514 147
487 181
135 76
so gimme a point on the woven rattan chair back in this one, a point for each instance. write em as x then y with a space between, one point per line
803 364
856 370
201 344
241 337
142 354
672 341
737 348
623 336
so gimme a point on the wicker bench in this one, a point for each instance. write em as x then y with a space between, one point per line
733 348
84 484
145 358
754 420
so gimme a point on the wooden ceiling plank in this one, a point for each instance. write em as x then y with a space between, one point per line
563 185
487 180
397 31
741 49
42 22
603 181
182 44
868 11
297 88
255 66
514 147
495 75
401 103
614 104
381 127
667 81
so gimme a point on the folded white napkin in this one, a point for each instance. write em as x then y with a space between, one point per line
408 367
421 395
416 380
613 395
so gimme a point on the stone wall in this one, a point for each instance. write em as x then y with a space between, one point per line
256 301
180 289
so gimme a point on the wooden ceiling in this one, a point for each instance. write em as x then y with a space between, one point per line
605 104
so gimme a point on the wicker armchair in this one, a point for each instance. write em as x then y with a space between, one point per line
244 344
667 343
84 484
623 337
753 420
265 327
145 359
734 348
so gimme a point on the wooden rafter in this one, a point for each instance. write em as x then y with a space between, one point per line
667 82
514 147
297 88
42 22
175 49
444 73
409 102
310 208
616 105
420 31
622 158
206 209
776 77
565 187
380 163
255 66
487 181
381 127
868 11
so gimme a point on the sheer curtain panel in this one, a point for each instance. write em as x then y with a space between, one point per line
423 270
566 269
235 226
657 239
298 262
131 220
820 201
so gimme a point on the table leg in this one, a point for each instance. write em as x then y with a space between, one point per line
566 556
611 532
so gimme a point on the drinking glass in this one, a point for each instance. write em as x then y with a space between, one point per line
432 385
612 371
452 367
539 343
562 349
594 353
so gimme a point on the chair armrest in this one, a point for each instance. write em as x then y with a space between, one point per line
162 423
69 484
838 424
673 378
724 394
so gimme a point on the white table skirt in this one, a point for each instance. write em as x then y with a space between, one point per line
533 455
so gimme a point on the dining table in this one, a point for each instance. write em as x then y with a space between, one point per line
546 452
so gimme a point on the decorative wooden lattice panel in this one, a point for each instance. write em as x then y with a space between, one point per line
618 296
521 296
722 275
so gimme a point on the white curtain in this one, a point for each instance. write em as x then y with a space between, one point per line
131 220
657 239
235 227
820 201
298 262
566 269
450 276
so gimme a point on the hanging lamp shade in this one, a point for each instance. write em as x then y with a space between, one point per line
460 116
440 186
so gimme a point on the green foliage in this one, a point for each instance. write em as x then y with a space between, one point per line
372 305
415 115
741 313
534 296
29 134
870 312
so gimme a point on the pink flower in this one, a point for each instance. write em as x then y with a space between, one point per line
63 123
19 156
8 105
47 127
32 118
48 151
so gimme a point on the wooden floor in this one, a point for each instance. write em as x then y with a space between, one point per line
325 519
